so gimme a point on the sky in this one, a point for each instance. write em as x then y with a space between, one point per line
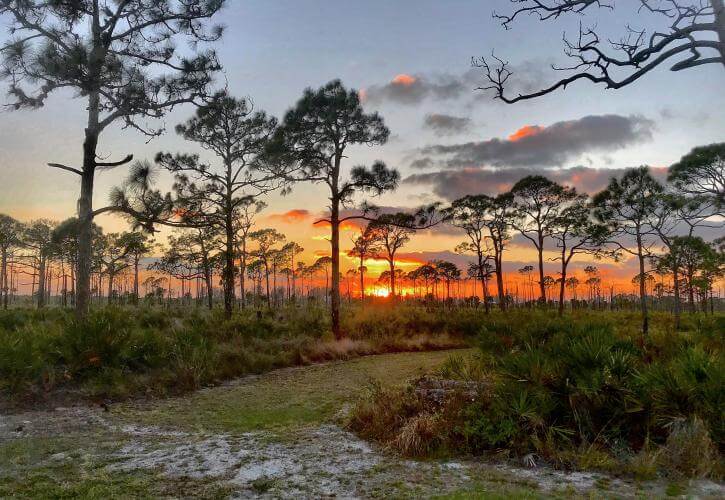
411 60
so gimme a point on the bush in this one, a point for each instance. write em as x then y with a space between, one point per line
117 352
580 392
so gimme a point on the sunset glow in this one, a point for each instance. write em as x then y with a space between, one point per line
525 131
404 80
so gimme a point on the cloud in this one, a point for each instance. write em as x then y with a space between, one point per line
291 217
534 145
413 89
452 184
442 124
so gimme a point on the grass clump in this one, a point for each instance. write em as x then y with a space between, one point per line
579 392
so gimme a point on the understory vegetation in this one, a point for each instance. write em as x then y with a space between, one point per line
584 392
118 352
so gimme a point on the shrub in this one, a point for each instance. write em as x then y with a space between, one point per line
581 392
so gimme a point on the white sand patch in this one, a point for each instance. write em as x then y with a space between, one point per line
324 461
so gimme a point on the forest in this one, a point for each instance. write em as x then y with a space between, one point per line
564 332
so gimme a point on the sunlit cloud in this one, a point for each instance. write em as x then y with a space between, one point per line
545 147
404 80
525 131
291 216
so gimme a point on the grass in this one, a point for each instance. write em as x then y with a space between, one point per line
284 398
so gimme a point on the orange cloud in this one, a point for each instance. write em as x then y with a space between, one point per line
525 131
291 216
404 80
348 225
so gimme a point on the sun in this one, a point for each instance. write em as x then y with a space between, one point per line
378 292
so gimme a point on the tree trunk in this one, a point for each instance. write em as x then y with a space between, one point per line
542 285
392 277
362 281
563 283
228 273
85 211
335 241
499 282
41 282
642 289
110 287
135 280
4 279
242 271
691 289
209 286
676 287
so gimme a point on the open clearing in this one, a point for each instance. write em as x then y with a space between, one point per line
274 435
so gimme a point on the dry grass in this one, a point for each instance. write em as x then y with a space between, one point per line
689 451
419 436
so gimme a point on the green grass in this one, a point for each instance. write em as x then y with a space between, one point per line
285 398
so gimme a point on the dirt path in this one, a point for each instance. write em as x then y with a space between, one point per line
272 436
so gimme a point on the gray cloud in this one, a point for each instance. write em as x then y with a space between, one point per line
550 146
442 124
411 89
452 184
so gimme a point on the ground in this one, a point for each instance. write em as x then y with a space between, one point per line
274 435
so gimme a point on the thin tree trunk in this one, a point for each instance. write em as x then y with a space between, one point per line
4 279
392 277
362 281
41 282
642 289
676 287
542 285
135 281
335 241
110 287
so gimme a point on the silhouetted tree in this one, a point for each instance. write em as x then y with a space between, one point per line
122 58
365 246
38 237
244 221
692 35
266 239
213 194
472 214
500 212
316 134
627 208
293 249
449 272
114 256
11 233
701 173
575 232
139 245
393 231
538 206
